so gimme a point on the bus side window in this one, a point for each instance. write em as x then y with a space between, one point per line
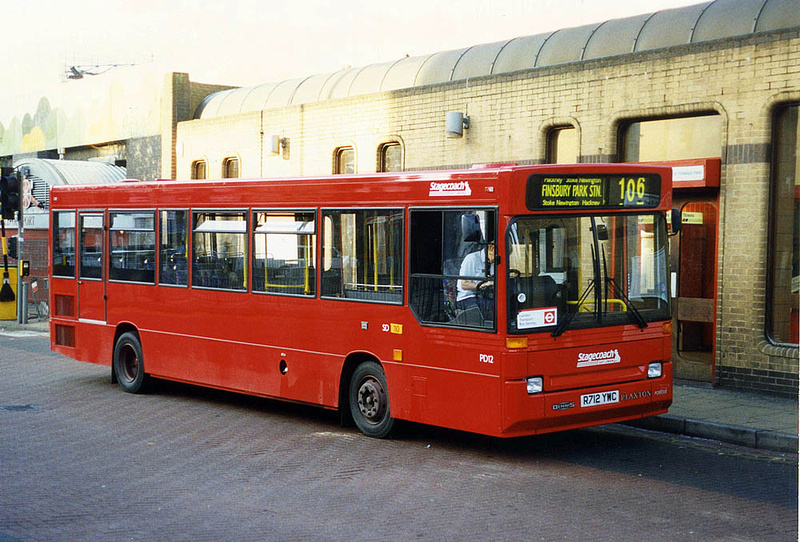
362 254
132 246
172 248
219 250
427 288
91 246
284 245
64 244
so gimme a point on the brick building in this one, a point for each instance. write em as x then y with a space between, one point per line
714 86
713 89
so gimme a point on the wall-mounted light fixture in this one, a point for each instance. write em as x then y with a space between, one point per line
455 123
278 143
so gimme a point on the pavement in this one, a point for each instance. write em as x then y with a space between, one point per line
756 420
698 410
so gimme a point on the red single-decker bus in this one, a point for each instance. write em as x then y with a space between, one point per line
506 300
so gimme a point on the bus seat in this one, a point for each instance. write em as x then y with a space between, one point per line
543 291
471 235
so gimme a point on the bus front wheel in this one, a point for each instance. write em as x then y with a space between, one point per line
369 400
129 363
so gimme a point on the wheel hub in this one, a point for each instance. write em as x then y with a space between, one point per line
130 364
371 401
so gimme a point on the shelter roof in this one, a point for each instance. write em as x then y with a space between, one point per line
667 28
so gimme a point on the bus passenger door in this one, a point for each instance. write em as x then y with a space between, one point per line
91 267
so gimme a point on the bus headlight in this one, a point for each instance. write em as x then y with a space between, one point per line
535 384
654 369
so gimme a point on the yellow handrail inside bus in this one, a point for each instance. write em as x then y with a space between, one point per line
268 285
244 274
375 260
306 279
583 306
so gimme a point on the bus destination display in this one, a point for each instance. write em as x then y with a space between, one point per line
593 191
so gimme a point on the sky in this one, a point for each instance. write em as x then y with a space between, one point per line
249 42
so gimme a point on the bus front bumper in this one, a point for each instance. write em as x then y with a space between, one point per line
530 414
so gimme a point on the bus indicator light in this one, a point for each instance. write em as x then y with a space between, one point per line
516 342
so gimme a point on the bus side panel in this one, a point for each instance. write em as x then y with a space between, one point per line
245 367
94 343
222 343
64 318
452 399
450 378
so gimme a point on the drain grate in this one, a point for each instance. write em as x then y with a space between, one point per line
18 408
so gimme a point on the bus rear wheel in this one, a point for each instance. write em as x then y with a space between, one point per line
129 363
369 400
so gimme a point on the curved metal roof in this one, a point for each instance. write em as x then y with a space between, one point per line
55 172
666 28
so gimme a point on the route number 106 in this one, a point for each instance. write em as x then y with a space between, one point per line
632 191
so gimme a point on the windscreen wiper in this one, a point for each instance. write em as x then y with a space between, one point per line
628 303
615 287
589 287
562 326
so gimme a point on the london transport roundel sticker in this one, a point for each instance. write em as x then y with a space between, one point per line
531 318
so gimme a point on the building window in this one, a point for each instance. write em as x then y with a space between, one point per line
562 145
782 317
230 168
344 161
390 157
673 139
199 169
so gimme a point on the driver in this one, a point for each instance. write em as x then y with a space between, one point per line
478 293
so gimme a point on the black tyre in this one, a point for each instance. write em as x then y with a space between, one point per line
369 400
129 363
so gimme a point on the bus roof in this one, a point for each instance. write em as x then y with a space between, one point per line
470 187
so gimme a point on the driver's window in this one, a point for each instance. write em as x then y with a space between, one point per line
452 267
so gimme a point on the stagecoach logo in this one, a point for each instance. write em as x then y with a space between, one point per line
598 358
450 189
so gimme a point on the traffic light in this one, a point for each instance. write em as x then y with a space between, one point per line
9 192
12 247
